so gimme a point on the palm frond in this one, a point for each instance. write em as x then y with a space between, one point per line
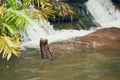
11 4
11 29
9 46
1 10
44 13
39 3
16 18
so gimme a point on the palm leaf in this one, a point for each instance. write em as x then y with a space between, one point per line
9 56
11 30
11 3
17 18
9 46
1 45
1 10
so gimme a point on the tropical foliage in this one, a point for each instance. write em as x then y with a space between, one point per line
11 20
62 10
14 18
9 46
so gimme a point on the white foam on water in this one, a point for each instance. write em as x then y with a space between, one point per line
104 13
102 10
42 28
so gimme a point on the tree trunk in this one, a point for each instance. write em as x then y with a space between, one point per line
44 49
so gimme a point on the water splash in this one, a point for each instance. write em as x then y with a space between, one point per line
104 13
42 28
102 10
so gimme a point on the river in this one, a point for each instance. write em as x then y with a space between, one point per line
88 65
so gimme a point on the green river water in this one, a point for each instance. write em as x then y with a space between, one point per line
91 65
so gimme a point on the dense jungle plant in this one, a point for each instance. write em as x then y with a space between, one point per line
62 10
42 8
11 21
13 18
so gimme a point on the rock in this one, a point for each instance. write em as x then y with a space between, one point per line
108 37
116 3
105 39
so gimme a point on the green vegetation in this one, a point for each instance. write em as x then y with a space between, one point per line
64 25
62 11
11 20
85 19
14 18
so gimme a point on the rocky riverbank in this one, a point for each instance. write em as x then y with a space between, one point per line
104 39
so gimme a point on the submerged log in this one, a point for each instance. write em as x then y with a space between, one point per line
44 49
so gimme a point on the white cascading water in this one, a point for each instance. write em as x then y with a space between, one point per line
42 28
102 11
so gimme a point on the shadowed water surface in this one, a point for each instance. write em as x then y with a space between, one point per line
90 65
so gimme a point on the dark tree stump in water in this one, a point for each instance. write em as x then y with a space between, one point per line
44 49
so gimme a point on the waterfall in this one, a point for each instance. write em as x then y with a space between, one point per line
43 28
104 13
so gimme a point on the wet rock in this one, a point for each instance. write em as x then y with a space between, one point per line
106 39
116 3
